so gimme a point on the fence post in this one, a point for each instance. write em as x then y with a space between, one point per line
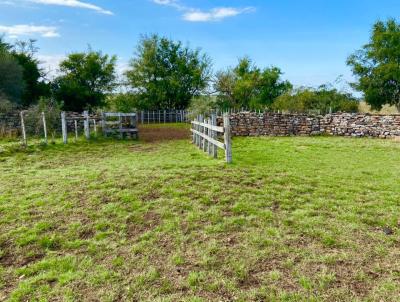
227 139
210 134
86 124
201 131
24 140
64 128
165 116
205 131
214 135
121 135
44 127
95 127
76 130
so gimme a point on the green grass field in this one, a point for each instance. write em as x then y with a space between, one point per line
293 219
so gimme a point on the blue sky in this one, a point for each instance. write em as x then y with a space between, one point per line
308 39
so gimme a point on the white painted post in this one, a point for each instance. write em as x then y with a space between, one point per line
227 139
44 127
24 140
210 134
205 131
142 117
86 124
95 127
214 135
76 130
64 128
121 135
197 127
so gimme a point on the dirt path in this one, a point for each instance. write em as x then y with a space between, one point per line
156 134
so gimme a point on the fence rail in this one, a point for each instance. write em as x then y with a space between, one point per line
205 136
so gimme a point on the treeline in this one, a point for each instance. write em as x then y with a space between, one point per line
166 74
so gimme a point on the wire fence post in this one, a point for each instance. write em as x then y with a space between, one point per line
24 140
76 130
44 127
228 139
95 127
86 124
64 128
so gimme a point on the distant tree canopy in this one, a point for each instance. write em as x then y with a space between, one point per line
167 74
11 76
377 66
35 87
322 100
248 86
21 79
85 80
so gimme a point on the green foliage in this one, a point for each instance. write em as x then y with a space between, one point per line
21 79
202 105
33 117
122 102
35 87
11 75
377 66
321 100
167 74
85 80
248 86
5 105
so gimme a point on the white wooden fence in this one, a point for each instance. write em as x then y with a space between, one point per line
205 136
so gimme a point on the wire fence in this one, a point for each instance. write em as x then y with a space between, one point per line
163 116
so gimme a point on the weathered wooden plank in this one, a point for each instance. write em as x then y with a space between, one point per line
211 140
211 127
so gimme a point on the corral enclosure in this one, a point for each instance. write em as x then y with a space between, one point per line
292 219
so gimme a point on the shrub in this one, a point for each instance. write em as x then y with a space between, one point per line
321 100
33 117
202 105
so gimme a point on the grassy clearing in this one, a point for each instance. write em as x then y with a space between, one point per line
293 219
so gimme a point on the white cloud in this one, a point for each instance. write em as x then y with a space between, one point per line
74 3
197 15
215 14
15 31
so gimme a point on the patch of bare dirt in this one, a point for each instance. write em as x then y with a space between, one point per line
152 135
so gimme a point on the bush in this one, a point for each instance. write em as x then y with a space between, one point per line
5 104
33 118
202 105
122 102
321 100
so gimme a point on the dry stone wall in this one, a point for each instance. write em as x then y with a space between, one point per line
340 124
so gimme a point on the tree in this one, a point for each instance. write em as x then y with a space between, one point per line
377 66
85 80
35 87
166 74
248 86
11 76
